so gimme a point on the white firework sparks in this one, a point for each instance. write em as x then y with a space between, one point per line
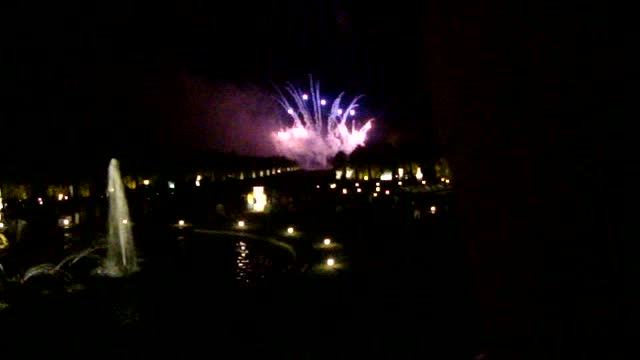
318 131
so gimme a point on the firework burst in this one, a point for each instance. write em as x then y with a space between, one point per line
317 130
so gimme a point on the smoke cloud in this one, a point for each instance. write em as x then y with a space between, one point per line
233 118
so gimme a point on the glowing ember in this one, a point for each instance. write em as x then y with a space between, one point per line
316 135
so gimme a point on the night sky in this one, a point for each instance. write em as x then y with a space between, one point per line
130 78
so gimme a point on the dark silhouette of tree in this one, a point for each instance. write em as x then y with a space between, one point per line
361 157
340 162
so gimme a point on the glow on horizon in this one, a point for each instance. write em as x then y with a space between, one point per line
315 135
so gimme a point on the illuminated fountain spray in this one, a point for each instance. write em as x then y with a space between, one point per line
319 130
121 256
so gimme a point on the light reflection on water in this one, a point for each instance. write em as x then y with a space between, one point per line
245 266
68 240
251 263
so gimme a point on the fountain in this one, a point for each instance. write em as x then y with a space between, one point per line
121 256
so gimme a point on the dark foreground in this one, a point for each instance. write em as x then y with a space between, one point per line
402 292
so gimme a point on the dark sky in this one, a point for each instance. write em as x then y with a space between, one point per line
116 77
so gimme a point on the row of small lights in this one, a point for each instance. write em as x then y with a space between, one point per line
378 189
241 224
423 182
61 197
345 191
418 177
198 180
358 189
67 222
147 182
